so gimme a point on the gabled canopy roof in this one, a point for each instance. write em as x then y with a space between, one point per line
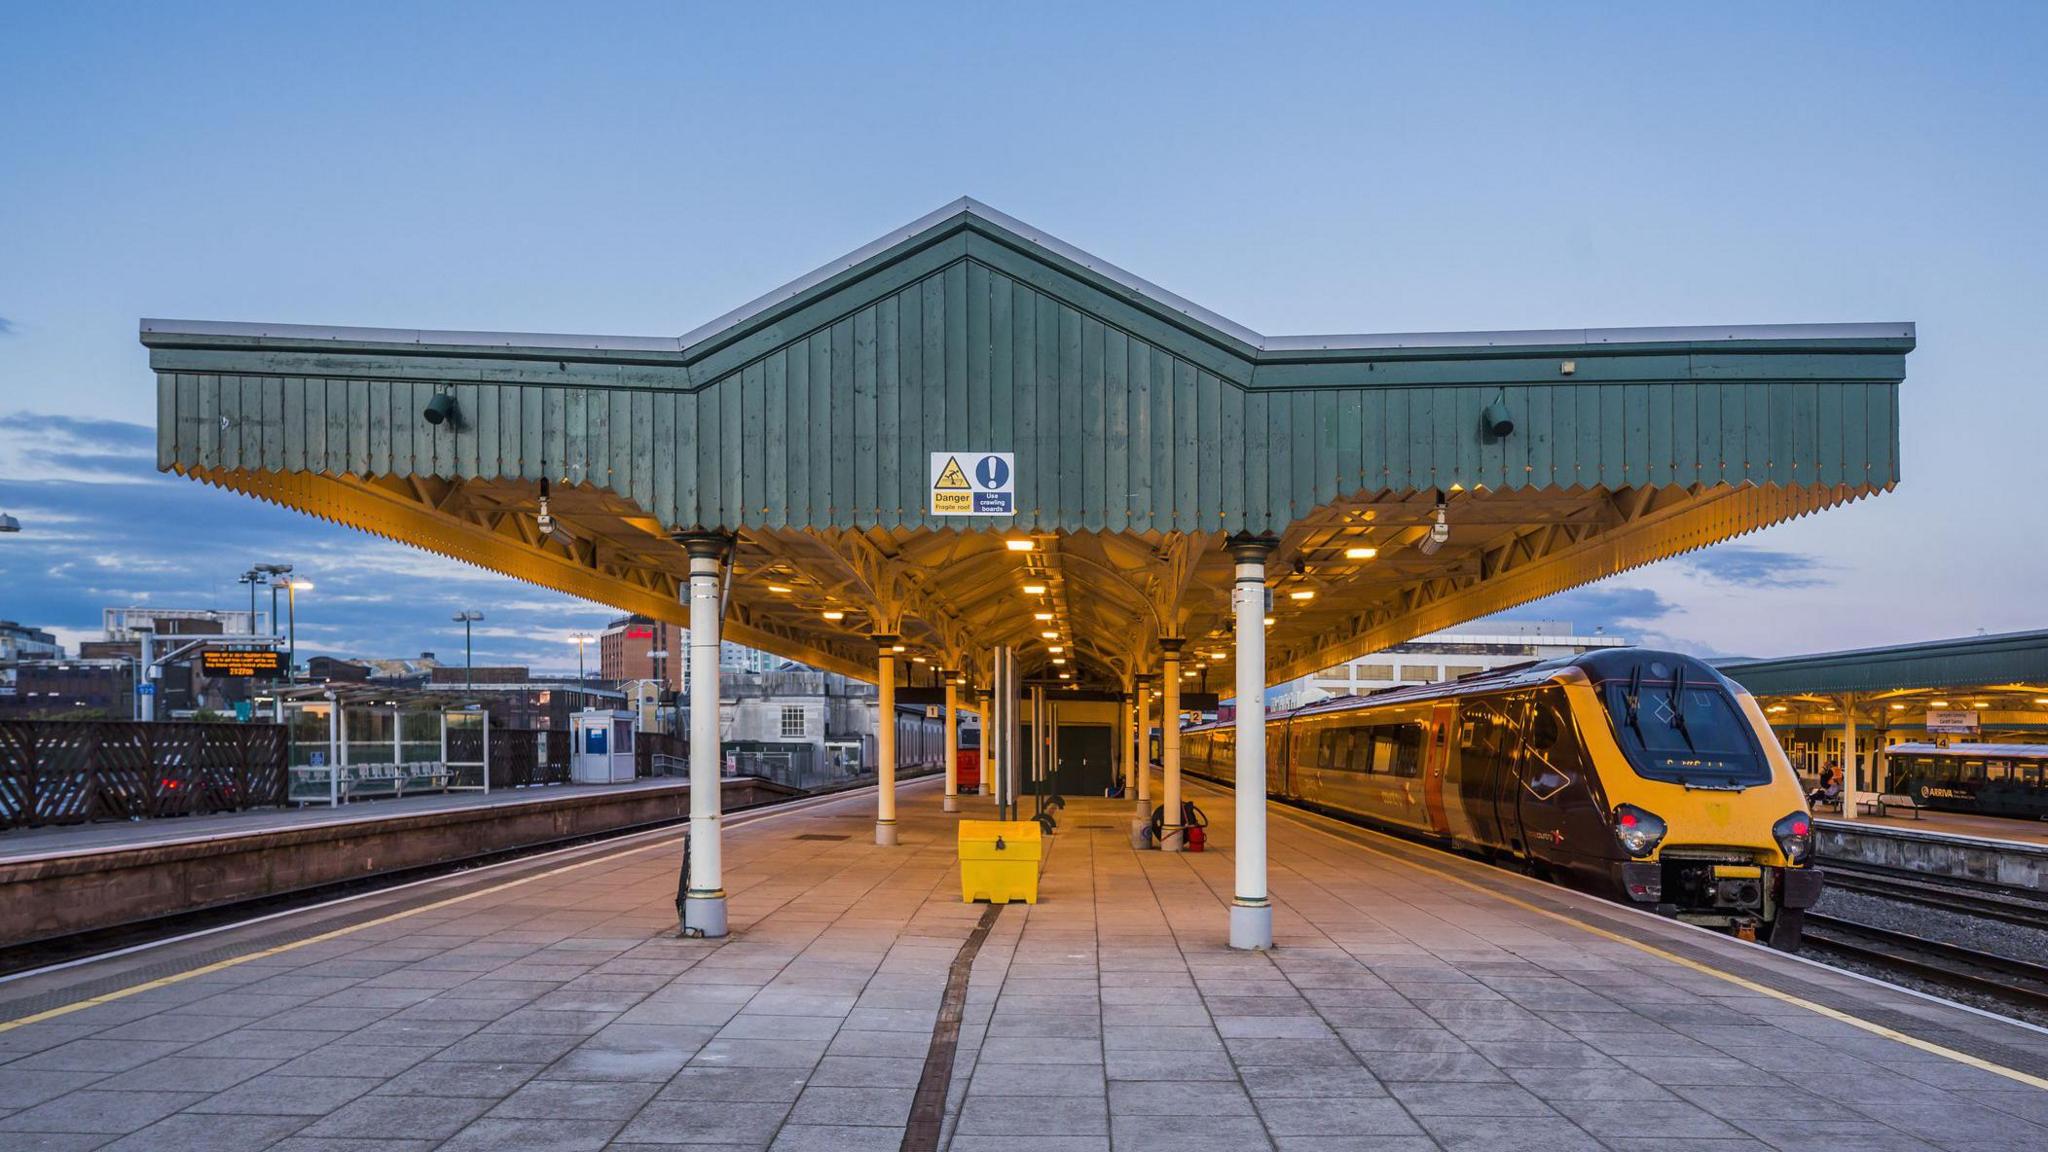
1146 430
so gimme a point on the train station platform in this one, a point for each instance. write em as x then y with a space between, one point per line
85 878
1413 1001
1964 824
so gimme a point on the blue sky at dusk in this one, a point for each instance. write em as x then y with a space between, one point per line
640 169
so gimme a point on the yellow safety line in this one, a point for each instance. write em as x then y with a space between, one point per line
233 961
1870 1026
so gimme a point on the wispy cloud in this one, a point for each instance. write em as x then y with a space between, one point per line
102 528
1749 566
6 326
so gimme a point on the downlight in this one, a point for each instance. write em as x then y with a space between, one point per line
1794 835
1638 830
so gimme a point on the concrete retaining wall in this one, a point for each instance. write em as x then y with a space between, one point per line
2010 863
58 896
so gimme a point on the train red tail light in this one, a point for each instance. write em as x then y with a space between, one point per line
1639 830
1794 835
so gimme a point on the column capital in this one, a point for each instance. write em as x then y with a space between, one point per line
1171 645
704 544
886 642
1252 549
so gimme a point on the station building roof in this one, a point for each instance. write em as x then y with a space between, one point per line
1147 432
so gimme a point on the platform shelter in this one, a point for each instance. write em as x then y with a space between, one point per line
1851 706
971 444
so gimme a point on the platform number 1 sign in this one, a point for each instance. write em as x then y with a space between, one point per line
974 484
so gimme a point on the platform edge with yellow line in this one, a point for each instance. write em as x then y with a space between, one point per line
999 860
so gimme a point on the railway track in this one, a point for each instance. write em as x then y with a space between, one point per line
1981 900
1985 973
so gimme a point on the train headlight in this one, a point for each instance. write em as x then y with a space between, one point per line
1639 831
1794 835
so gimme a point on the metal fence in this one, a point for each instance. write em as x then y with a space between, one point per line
527 757
660 754
74 771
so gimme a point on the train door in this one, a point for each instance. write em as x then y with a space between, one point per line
1488 737
1443 723
1558 796
1516 761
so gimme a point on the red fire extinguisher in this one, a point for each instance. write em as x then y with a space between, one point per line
1194 823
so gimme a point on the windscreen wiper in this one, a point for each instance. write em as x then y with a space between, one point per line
1678 707
1632 701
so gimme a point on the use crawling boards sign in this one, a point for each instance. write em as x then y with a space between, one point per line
974 484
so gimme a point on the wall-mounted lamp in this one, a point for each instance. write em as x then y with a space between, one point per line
440 410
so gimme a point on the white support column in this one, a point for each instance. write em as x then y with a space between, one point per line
1169 730
1251 913
952 739
885 745
704 899
1849 756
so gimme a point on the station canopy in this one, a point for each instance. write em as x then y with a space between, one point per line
1146 434
2003 678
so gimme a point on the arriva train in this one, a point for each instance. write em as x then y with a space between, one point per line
1640 775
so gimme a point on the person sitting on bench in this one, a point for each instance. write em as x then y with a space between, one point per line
1830 789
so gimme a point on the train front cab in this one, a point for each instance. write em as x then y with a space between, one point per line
1709 819
1541 767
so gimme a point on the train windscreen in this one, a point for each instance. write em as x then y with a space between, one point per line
1685 734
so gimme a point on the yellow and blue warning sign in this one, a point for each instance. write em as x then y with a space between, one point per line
974 484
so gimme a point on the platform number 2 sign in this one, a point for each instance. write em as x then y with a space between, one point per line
974 484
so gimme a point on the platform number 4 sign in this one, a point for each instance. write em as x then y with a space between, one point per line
974 484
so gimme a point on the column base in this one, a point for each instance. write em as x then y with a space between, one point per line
1170 838
1141 832
952 803
885 833
704 916
1251 926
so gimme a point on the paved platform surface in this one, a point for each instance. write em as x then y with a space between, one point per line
1415 1001
2033 832
113 835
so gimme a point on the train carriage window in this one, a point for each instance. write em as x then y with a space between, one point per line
1406 759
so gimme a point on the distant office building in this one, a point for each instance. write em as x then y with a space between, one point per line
1458 651
330 669
639 648
402 669
182 687
481 674
123 623
19 642
79 688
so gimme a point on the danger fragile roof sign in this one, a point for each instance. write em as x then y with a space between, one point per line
974 484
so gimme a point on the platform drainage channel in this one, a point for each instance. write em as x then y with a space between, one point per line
824 836
928 1107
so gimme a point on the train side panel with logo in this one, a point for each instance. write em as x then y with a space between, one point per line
1645 776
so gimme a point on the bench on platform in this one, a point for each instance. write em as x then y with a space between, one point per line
1889 800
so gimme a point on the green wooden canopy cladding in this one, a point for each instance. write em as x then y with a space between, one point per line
1130 412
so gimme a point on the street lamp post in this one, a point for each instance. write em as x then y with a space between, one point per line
581 638
467 618
254 578
291 600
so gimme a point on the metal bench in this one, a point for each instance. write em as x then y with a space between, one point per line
1900 800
